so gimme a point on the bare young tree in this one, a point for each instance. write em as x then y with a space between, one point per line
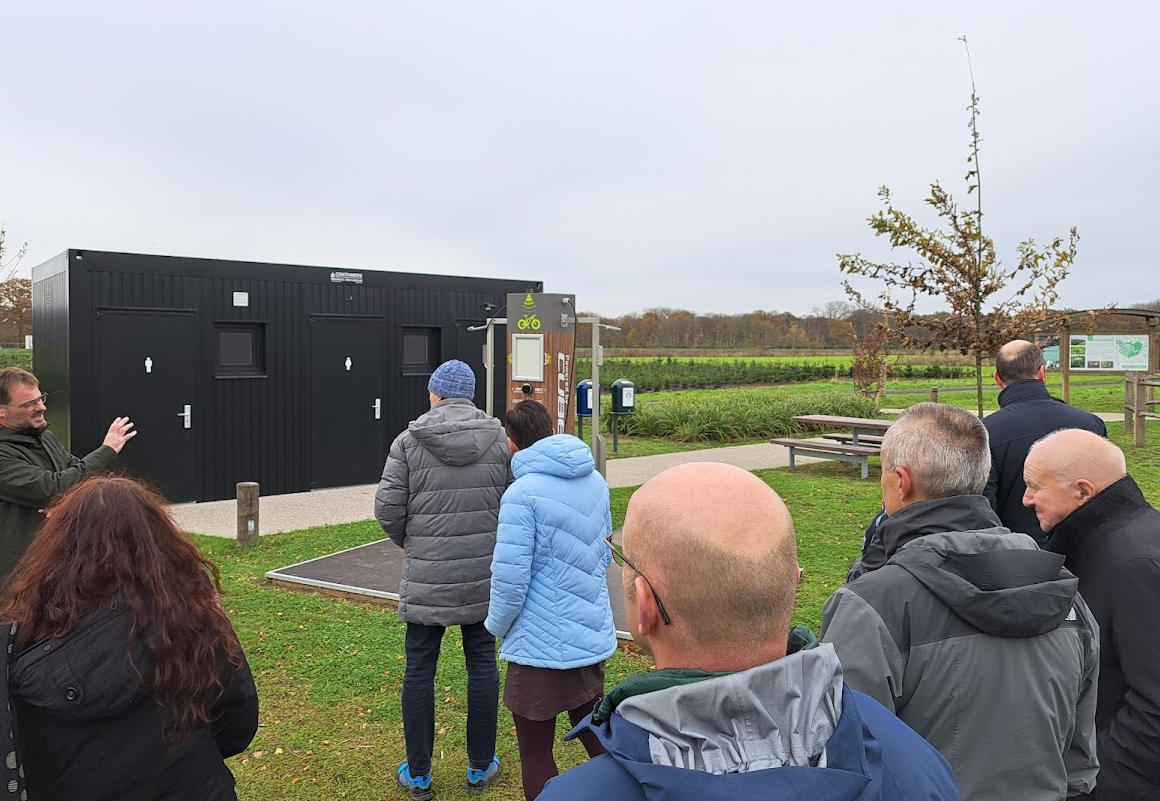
988 304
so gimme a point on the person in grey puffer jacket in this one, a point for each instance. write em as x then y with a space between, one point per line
970 633
439 501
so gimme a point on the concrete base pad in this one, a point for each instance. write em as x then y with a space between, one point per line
371 573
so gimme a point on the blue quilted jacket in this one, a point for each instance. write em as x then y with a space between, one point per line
549 596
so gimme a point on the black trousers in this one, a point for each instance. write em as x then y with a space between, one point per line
423 643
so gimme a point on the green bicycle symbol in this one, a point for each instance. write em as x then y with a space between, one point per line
528 321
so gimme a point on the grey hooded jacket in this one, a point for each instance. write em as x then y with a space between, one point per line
439 501
980 642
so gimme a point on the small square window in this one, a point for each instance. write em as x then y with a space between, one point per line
237 348
420 350
415 349
240 350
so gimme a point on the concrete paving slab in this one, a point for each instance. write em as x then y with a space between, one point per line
353 504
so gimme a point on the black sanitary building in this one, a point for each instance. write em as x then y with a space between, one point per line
295 377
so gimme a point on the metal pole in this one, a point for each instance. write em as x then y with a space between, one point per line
596 360
488 359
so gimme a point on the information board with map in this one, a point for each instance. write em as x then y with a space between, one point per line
1109 352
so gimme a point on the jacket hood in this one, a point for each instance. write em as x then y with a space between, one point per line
718 737
88 674
1027 389
959 513
21 437
994 579
1120 498
560 455
455 431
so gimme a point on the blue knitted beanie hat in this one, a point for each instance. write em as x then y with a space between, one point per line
453 379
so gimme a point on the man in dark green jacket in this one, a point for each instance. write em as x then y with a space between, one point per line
34 467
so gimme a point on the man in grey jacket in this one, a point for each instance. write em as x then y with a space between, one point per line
969 632
439 501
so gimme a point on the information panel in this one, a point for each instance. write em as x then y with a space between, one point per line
1109 352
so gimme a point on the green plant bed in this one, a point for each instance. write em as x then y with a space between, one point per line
735 414
690 373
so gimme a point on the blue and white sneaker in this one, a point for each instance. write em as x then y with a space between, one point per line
417 787
478 780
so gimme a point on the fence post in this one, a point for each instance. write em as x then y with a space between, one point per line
1141 407
248 492
934 394
1129 399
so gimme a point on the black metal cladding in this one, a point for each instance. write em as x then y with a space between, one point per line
92 310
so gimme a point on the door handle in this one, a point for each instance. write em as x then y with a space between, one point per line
188 415
378 407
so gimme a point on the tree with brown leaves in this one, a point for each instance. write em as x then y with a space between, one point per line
988 304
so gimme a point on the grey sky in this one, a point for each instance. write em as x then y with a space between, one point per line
703 155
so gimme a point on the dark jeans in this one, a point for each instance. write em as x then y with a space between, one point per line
423 644
536 739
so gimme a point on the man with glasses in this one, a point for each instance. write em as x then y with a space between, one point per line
710 576
34 466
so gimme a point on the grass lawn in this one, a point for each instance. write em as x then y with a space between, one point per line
329 671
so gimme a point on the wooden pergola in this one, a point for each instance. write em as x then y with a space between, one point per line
1063 324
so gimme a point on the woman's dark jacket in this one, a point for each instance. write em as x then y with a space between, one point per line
87 729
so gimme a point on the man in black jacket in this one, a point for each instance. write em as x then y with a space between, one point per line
1080 490
1026 413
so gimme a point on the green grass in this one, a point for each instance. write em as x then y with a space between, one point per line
329 676
329 671
736 414
16 357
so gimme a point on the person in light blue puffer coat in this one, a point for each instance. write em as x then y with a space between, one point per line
549 593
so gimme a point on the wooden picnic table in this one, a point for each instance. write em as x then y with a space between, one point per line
858 425
848 448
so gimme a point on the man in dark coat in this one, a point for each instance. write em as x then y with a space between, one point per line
1080 490
439 501
34 466
1026 413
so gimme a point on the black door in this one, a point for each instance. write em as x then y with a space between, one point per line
469 348
145 372
346 423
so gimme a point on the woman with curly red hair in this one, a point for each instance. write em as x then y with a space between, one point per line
125 678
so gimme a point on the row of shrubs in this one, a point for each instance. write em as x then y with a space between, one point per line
741 414
654 375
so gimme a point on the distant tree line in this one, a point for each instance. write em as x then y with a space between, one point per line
833 326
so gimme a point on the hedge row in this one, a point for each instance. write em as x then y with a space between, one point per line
668 373
740 414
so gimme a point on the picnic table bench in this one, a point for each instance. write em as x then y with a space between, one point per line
864 441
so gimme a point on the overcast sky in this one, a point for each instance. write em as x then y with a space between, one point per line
713 155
